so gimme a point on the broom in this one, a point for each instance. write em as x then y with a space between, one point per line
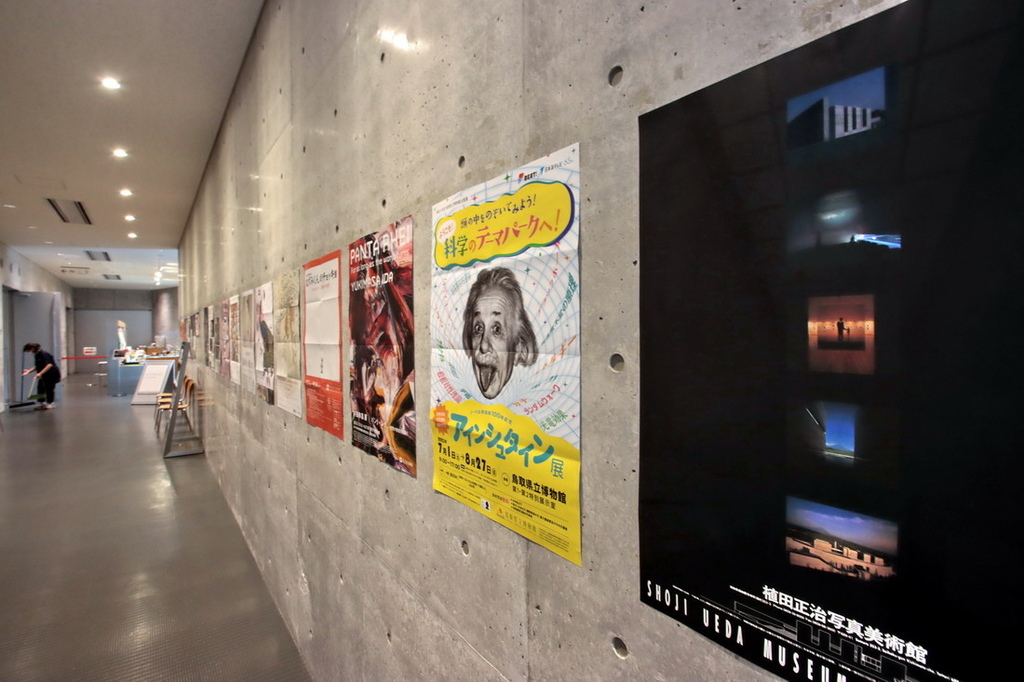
33 395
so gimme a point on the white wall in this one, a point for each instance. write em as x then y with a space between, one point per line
20 274
333 133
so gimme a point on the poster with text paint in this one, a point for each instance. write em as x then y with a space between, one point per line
831 289
321 342
212 336
235 341
194 340
382 358
225 338
287 343
263 319
505 350
247 340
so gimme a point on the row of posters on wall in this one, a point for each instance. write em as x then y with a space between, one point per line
505 340
830 375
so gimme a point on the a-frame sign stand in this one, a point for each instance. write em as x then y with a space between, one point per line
182 437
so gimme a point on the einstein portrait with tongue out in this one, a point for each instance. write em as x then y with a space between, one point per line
497 334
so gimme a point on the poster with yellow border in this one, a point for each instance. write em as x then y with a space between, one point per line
505 350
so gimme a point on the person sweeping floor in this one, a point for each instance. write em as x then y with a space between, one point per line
47 375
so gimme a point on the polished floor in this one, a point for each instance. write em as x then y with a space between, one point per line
116 564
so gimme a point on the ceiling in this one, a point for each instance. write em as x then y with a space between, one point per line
176 61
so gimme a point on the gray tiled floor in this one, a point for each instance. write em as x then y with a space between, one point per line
118 565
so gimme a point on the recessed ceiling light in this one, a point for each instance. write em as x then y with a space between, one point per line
132 235
120 153
47 242
31 227
126 192
10 206
130 218
110 83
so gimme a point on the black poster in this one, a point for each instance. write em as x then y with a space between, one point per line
832 297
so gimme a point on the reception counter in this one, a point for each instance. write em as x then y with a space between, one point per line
122 378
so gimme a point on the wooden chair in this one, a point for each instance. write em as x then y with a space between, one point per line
165 402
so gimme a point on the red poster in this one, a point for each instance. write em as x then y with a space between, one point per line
321 343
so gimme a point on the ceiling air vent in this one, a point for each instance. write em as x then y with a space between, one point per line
111 276
70 211
97 255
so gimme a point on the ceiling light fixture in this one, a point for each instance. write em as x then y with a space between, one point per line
110 83
130 218
132 235
10 206
126 192
120 153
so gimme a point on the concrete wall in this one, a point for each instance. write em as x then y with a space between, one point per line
334 132
99 328
163 303
165 317
114 299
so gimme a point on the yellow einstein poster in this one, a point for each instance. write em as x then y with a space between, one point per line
505 350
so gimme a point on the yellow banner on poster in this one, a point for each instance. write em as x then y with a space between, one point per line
503 465
537 214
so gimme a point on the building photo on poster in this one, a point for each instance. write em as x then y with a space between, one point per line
832 302
382 357
505 350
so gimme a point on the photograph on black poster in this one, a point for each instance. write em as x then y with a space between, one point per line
834 540
843 441
852 219
848 107
841 334
828 431
831 304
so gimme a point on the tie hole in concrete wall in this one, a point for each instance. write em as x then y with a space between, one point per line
620 648
617 362
615 76
465 547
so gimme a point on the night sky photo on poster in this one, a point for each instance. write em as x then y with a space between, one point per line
831 308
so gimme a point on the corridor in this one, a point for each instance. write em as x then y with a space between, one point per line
116 564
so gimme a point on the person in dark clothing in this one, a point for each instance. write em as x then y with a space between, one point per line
47 374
